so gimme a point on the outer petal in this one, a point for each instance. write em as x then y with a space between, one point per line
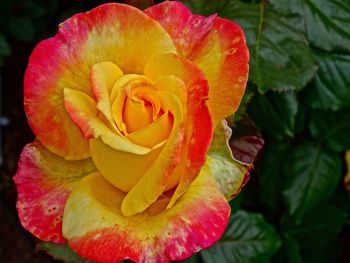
216 45
44 181
187 30
101 233
46 76
229 173
199 129
112 32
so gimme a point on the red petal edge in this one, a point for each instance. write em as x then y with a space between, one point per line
44 181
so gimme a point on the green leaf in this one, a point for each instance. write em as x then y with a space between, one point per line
280 58
311 175
327 22
248 238
275 113
300 120
289 252
317 227
330 88
60 252
292 250
271 176
331 128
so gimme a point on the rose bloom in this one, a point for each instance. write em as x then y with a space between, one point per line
131 156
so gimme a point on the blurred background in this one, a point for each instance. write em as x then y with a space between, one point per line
294 121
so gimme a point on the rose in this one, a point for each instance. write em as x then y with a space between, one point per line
124 105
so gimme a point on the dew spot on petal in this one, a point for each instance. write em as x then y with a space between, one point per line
241 79
232 51
236 40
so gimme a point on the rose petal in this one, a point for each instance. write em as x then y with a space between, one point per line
103 77
216 45
199 129
136 114
121 169
152 184
44 181
101 233
188 31
229 173
82 109
119 96
152 135
174 85
112 32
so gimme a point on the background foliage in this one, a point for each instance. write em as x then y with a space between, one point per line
295 207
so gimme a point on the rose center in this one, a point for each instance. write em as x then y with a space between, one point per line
137 114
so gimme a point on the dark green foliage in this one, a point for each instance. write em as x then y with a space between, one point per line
248 238
280 55
311 175
271 185
327 22
297 184
275 113
332 128
330 88
324 219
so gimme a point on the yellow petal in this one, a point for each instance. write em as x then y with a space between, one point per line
103 77
136 114
153 134
199 128
152 184
120 168
97 230
126 80
83 112
149 94
119 96
175 85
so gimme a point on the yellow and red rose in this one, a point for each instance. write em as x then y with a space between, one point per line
131 157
